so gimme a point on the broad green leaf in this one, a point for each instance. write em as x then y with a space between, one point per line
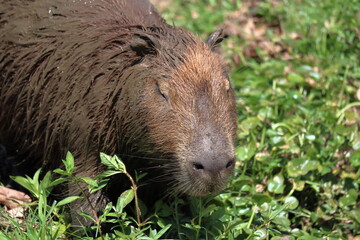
278 211
106 160
89 181
112 162
46 184
5 237
58 230
295 78
162 231
260 234
100 184
282 220
261 198
292 202
62 172
85 215
298 167
108 173
58 181
67 200
31 184
119 164
244 153
69 162
35 179
298 185
355 158
276 184
24 182
128 196
356 215
349 199
250 123
124 199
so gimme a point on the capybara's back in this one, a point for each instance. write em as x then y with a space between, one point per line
111 76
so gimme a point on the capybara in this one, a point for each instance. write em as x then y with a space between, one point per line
111 76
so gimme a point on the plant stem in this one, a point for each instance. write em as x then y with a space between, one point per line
200 218
138 212
89 202
177 217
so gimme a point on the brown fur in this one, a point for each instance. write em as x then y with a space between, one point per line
113 78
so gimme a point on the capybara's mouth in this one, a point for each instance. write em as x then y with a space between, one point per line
199 182
203 188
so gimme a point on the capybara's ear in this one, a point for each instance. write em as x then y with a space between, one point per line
215 38
143 44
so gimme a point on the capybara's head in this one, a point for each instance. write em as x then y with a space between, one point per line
187 107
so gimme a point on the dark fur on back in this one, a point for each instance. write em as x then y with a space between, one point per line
113 77
94 47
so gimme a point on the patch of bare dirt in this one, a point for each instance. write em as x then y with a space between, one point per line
247 25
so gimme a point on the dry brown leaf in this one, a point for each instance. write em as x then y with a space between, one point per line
285 238
259 188
312 82
358 94
17 212
250 51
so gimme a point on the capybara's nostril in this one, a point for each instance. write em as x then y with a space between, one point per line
197 166
213 165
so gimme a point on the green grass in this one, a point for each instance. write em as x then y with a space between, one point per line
298 148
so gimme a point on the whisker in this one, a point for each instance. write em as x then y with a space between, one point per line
165 167
144 157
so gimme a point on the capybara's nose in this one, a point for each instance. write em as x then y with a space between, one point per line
213 165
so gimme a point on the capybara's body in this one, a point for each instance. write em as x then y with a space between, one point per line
112 76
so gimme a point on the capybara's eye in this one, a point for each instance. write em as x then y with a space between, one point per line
227 86
161 93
